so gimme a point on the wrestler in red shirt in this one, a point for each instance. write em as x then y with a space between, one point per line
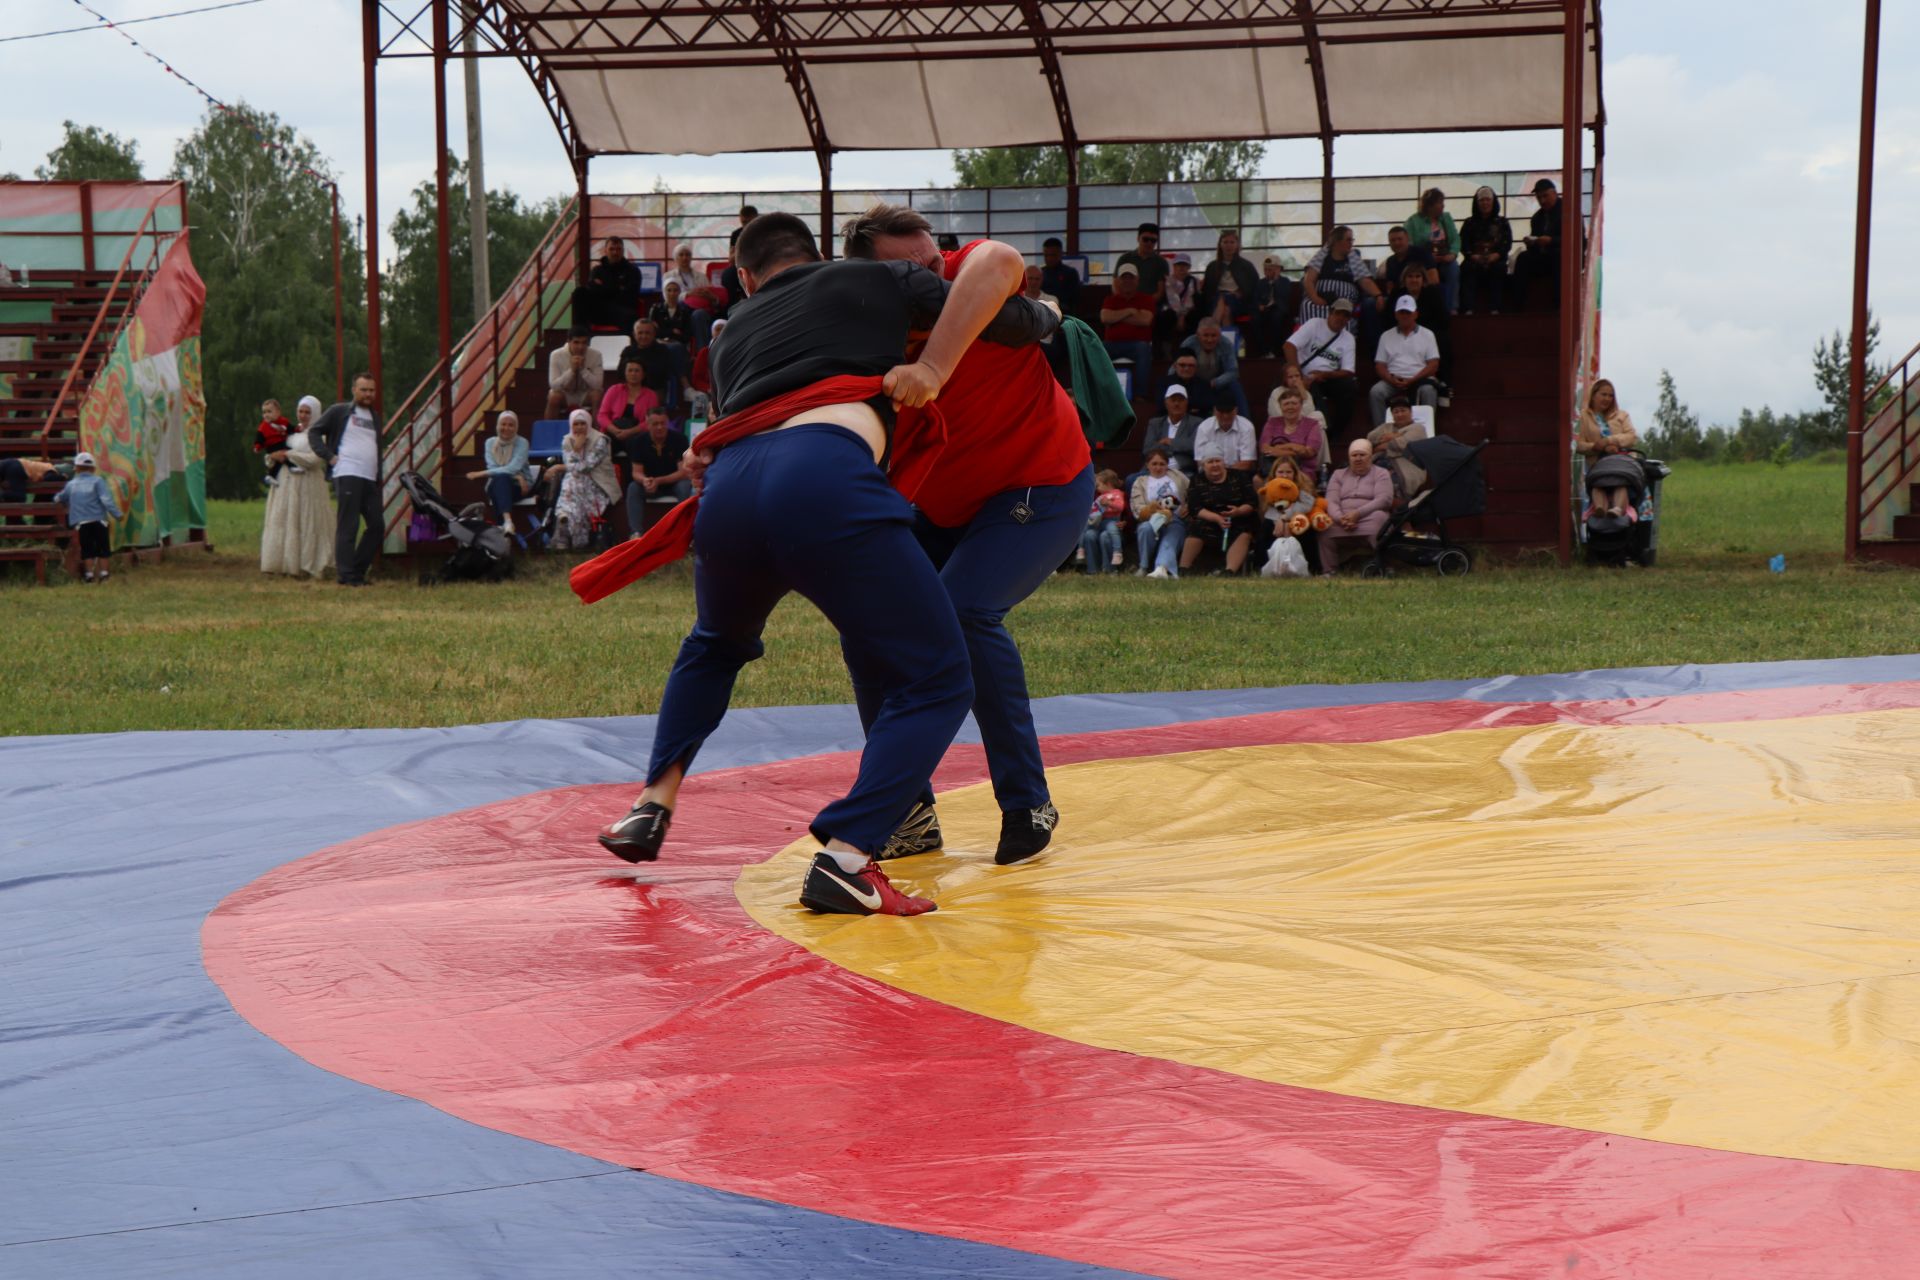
999 506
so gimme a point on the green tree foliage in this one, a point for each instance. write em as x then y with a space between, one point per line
410 342
1145 162
1676 429
1831 374
91 154
263 242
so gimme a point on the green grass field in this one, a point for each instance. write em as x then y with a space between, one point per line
205 641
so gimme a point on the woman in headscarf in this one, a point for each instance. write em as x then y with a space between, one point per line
587 482
297 536
1487 238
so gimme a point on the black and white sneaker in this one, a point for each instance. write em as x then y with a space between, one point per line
1025 832
832 890
920 833
638 836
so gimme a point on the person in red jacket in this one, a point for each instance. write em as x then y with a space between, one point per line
1001 509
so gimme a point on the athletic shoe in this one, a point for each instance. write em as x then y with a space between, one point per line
638 836
866 892
1160 571
1025 832
920 833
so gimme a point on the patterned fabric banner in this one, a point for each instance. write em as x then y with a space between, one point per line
145 416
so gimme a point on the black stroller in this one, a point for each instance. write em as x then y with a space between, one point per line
1455 490
482 552
1618 540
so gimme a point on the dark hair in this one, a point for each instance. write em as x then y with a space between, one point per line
658 408
1401 228
1158 451
360 377
633 364
775 240
579 331
1227 406
1052 242
1399 402
857 234
611 240
1341 232
1428 196
1145 227
948 241
1224 233
748 211
1184 354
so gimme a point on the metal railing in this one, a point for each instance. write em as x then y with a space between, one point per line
483 364
1890 448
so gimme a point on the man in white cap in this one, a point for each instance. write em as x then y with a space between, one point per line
1175 430
1126 322
1324 351
1406 362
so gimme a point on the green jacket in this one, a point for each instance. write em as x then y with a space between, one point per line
1106 414
1420 231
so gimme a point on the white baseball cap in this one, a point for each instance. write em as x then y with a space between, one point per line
1175 389
83 459
1126 269
1406 303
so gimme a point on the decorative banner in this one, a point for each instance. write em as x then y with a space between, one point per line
144 418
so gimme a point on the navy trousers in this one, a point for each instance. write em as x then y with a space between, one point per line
807 510
989 565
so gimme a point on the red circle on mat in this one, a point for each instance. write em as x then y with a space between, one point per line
496 964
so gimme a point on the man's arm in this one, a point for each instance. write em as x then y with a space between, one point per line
983 302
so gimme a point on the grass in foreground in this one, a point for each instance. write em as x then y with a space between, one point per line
205 641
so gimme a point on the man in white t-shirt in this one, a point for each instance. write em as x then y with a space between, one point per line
1326 354
347 437
1229 435
1406 361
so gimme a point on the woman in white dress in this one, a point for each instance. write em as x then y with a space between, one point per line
587 481
297 537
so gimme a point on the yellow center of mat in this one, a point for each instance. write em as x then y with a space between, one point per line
1707 934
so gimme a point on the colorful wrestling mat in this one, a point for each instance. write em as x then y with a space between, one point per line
1610 974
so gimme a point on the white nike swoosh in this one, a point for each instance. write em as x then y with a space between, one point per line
867 897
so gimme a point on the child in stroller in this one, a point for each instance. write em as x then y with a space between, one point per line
1618 524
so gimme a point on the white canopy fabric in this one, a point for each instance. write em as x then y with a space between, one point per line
706 77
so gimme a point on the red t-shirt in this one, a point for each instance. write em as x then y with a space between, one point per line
1126 330
1010 425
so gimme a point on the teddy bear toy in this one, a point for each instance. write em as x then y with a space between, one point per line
1282 492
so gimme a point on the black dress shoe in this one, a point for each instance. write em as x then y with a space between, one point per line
638 836
1024 833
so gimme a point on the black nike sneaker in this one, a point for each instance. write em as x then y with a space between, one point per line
1025 832
638 836
920 833
866 892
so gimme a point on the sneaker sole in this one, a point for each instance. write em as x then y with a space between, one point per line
629 851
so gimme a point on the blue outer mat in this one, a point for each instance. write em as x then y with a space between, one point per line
146 1130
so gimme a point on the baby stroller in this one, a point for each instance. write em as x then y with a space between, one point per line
1455 489
1620 540
481 551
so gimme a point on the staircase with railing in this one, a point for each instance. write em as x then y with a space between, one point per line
1886 476
444 416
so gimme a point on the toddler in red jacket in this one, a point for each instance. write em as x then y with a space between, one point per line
271 436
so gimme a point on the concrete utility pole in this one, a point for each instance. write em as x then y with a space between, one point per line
476 172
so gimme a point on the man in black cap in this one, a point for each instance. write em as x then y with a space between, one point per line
1540 260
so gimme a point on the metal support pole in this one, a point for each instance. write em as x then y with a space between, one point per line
442 252
1862 231
583 248
1573 111
1073 198
370 56
1326 188
339 306
826 202
476 166
86 223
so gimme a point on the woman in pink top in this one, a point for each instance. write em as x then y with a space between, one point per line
623 410
1359 496
1291 434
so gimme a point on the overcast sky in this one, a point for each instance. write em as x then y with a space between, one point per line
1730 158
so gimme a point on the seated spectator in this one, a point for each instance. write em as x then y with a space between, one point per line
1227 290
1230 436
1272 309
1605 427
507 475
1432 226
1538 267
1291 436
1159 501
682 272
1185 374
1407 361
1175 430
16 474
1100 543
1359 496
701 376
747 214
583 480
656 454
1390 440
1486 239
1036 290
1431 308
1126 321
1291 377
1337 271
672 317
1223 508
654 358
1216 363
1324 351
1059 279
623 414
1290 520
575 374
1179 302
1402 253
610 299
1145 255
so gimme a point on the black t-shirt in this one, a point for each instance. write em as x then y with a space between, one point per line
1546 222
622 277
656 360
663 461
1396 264
1235 490
823 319
675 324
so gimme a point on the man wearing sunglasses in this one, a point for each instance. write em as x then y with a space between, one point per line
1145 255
